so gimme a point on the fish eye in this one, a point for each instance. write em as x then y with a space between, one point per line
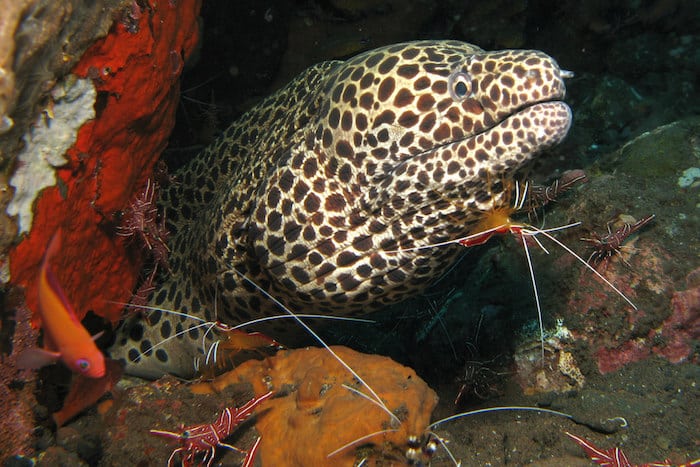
459 84
83 364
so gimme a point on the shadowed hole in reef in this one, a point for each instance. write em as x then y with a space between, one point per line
484 303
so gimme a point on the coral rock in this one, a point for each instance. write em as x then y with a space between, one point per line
683 326
136 70
558 372
318 415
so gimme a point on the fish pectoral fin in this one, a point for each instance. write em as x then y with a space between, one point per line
32 359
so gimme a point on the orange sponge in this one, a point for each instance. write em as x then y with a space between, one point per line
318 413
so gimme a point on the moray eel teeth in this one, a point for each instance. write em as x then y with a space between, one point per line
312 191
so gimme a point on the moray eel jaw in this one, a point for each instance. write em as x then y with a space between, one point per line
401 131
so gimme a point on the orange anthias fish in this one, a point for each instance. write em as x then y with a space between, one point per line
65 338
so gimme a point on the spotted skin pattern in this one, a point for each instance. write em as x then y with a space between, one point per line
313 191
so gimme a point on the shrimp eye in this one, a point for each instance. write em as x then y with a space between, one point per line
459 84
83 364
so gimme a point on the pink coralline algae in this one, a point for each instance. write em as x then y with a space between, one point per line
673 339
683 326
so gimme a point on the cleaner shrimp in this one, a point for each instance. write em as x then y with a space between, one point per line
499 221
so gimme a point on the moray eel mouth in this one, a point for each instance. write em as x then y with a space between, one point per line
322 193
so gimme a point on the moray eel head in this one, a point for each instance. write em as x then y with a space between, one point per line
406 150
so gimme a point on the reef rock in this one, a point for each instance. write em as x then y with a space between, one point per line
322 409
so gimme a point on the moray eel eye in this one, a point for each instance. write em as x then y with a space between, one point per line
459 84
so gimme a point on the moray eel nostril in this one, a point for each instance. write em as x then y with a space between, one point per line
310 193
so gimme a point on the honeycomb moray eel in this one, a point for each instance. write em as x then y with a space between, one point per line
312 191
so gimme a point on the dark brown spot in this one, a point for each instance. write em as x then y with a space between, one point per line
315 258
442 132
334 118
380 153
423 178
325 269
421 83
346 121
346 258
439 87
340 236
396 276
386 89
276 245
310 167
327 138
366 100
428 123
407 71
357 139
312 203
349 93
376 227
345 173
361 122
364 271
366 81
348 282
300 275
335 203
373 60
337 91
406 140
403 98
387 117
410 54
363 243
326 248
377 261
357 74
273 197
292 230
425 102
401 185
408 119
343 149
386 66
300 190
286 181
